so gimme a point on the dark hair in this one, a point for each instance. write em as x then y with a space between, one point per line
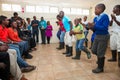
102 6
27 19
15 13
2 18
48 22
117 6
10 22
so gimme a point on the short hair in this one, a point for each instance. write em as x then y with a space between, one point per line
117 6
2 18
102 6
27 19
15 13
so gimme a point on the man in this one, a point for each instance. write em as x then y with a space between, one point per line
68 38
100 25
35 24
16 17
42 26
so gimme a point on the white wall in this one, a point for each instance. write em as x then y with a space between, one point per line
47 16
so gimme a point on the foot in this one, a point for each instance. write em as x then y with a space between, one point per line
76 58
97 70
68 55
28 56
28 68
112 60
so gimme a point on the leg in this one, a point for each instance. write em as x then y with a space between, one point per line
14 68
78 52
101 49
37 36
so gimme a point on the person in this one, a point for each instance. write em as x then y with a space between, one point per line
62 33
16 17
9 58
78 32
100 25
29 27
23 36
68 38
35 24
42 26
48 31
4 39
115 34
86 29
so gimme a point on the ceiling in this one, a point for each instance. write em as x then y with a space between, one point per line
77 3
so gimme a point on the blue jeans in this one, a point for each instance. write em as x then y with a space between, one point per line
62 36
20 61
23 46
58 34
80 44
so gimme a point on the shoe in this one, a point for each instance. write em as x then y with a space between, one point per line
28 68
97 70
28 56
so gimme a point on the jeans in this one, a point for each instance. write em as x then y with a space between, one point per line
23 46
62 36
58 34
80 44
20 61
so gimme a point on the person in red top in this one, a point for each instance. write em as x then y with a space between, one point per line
13 35
61 45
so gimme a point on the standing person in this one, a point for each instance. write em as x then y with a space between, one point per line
62 33
86 29
115 34
68 38
49 31
29 27
78 32
42 26
100 25
35 24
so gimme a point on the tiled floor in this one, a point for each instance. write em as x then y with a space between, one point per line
53 65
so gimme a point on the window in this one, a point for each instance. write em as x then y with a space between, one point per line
53 9
66 10
42 9
30 8
85 12
76 11
6 7
16 7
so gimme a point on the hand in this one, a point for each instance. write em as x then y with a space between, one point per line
4 48
71 32
113 17
2 65
90 25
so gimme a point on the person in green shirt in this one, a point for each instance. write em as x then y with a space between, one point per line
80 38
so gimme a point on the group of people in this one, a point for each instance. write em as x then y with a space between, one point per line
18 38
99 38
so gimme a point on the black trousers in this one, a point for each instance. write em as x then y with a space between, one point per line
43 36
48 40
4 73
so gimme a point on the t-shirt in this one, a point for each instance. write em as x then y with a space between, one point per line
66 23
61 26
3 34
86 25
78 29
